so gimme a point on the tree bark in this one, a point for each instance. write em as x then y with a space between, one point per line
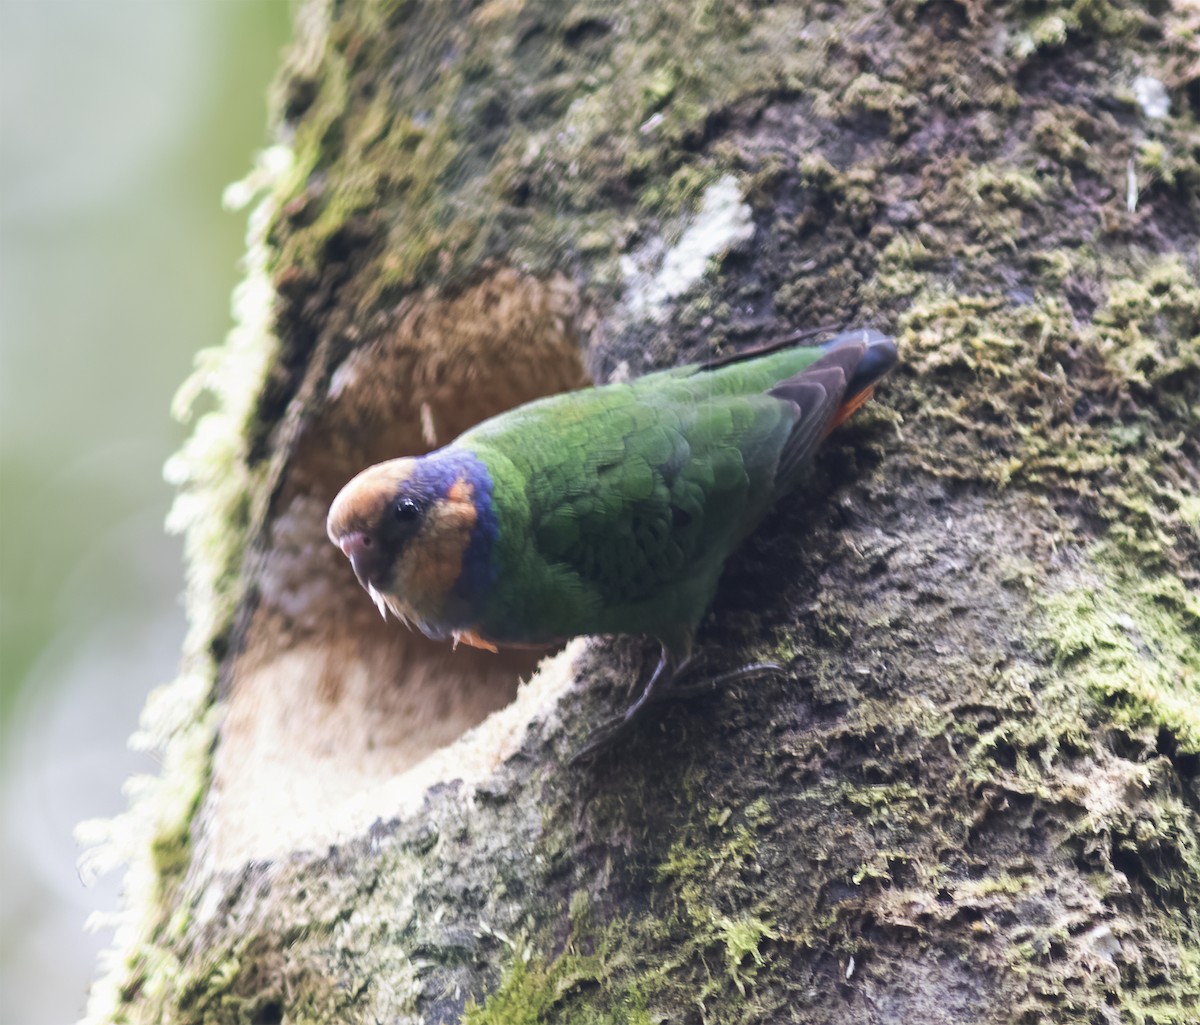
972 794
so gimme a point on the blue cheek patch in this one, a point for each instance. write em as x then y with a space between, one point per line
478 573
436 475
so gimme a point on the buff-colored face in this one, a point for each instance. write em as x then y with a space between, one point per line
405 533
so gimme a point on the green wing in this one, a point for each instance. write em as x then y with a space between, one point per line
632 500
618 506
675 489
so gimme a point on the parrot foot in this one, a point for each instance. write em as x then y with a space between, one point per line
660 686
604 735
710 683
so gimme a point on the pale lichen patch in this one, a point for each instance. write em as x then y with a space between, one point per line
723 223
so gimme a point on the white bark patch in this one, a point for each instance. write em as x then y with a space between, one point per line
1103 944
724 223
1152 97
428 427
349 373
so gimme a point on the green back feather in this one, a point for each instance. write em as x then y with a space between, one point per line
618 506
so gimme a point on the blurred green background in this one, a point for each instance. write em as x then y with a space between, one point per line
121 121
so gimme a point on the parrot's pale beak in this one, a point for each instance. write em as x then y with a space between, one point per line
364 556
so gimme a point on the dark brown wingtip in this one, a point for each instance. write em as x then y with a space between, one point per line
861 357
753 352
828 391
878 357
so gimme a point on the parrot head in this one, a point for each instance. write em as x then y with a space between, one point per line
417 532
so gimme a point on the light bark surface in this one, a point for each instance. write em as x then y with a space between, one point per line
972 794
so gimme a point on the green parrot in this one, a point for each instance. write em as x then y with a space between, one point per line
605 511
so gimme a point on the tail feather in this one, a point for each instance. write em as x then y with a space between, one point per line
877 360
828 391
848 408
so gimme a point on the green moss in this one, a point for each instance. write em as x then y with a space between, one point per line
882 800
1045 33
680 192
1007 185
879 868
1053 23
698 868
903 264
868 92
352 156
1149 330
1054 266
415 189
758 814
1005 884
1132 644
534 992
1101 17
1003 356
1124 655
984 334
860 193
659 87
743 940
1153 159
698 919
1057 133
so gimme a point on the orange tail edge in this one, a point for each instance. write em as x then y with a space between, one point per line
848 408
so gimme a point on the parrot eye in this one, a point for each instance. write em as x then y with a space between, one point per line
407 512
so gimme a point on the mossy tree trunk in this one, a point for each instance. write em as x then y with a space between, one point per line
972 795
